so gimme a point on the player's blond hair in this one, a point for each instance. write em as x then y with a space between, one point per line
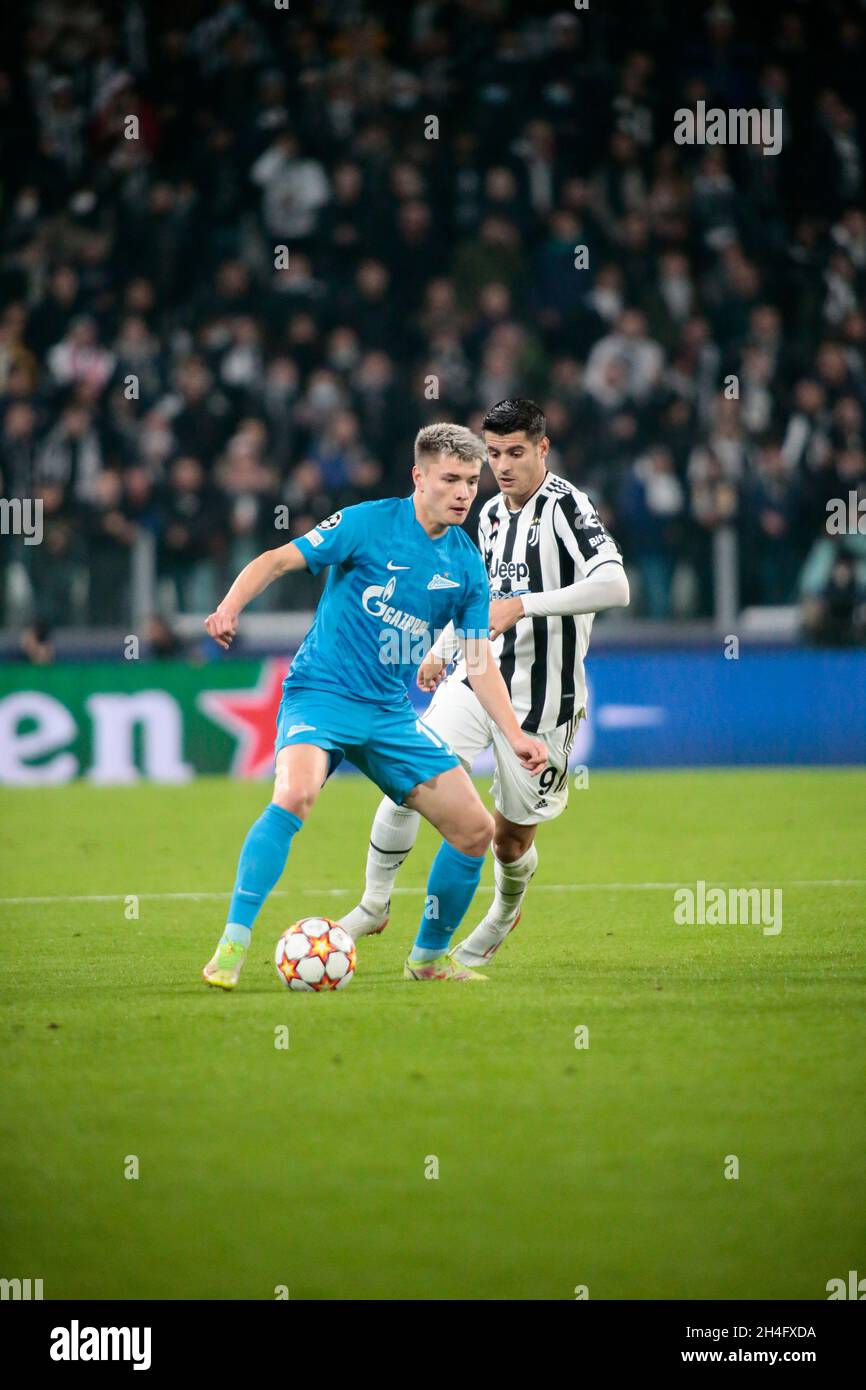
454 440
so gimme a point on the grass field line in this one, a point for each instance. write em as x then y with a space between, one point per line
648 887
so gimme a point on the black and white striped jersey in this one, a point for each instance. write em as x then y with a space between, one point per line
556 539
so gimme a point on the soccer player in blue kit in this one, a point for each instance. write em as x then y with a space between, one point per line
400 570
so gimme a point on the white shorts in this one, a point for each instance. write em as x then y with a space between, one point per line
457 715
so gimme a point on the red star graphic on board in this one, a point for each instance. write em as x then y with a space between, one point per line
251 716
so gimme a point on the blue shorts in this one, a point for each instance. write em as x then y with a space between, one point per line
391 747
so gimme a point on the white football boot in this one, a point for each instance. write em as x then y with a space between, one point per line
362 921
481 945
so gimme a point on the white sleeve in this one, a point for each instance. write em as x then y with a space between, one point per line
446 645
606 587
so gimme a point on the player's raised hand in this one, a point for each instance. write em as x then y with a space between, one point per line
431 672
504 613
222 626
531 752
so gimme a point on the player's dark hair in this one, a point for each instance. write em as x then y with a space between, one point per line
511 416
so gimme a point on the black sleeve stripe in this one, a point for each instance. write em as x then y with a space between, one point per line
603 562
568 506
569 635
507 659
538 674
583 534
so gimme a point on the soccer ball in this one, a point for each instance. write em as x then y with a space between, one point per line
315 954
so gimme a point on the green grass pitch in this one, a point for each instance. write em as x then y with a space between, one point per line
602 1166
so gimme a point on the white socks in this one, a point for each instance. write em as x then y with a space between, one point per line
394 832
392 836
512 881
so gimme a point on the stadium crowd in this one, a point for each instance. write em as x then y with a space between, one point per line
247 251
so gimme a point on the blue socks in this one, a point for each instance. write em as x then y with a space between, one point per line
451 886
450 889
262 861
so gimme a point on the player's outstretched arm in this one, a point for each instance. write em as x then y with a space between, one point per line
486 681
606 587
253 579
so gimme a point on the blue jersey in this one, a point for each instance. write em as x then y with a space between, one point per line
390 591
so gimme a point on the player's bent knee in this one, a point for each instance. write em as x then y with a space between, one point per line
474 838
508 848
298 800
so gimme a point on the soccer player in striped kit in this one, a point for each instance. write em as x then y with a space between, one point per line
552 566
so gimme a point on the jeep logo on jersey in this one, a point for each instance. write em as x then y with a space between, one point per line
375 600
510 569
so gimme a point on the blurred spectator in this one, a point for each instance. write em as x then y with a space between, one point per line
36 645
651 506
836 616
713 503
161 642
630 345
54 567
691 317
772 501
109 537
71 455
293 189
18 450
192 535
79 357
